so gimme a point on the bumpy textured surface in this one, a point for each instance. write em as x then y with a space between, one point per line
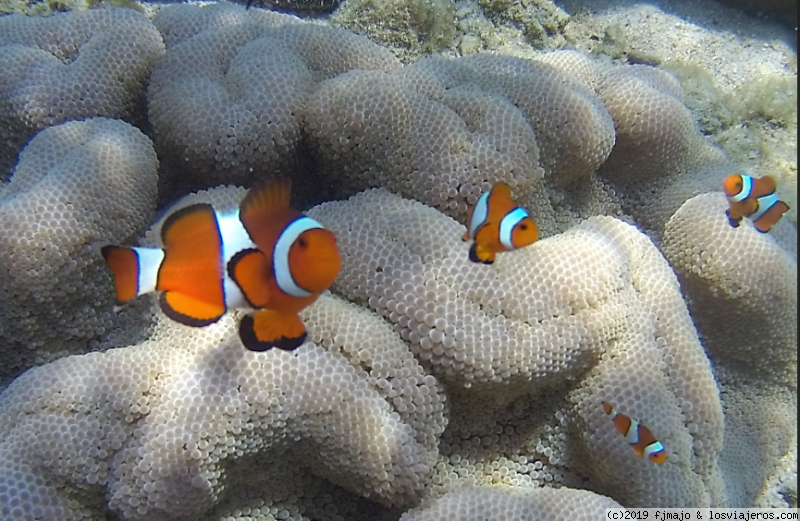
71 66
443 131
651 121
183 21
514 358
508 504
76 183
598 297
735 278
660 159
225 100
164 428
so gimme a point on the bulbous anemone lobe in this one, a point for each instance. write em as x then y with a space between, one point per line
71 66
57 294
227 99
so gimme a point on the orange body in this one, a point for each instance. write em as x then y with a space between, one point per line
640 438
755 199
496 223
265 256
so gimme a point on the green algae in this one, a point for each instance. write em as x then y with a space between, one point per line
409 27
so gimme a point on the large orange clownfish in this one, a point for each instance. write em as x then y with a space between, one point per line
755 199
261 256
498 224
639 436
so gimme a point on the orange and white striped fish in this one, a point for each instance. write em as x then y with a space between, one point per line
498 224
754 198
639 436
261 256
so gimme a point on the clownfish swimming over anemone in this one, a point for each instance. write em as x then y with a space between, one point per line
263 256
496 224
754 198
637 435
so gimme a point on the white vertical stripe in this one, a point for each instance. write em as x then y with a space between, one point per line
633 433
234 239
280 255
765 202
507 225
149 262
479 214
744 193
653 448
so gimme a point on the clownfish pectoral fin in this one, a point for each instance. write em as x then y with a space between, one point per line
480 255
188 310
267 329
733 221
135 269
247 269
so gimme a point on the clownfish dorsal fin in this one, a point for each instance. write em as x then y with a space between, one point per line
266 197
501 190
768 184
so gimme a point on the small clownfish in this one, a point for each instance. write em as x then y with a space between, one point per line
753 198
497 224
261 256
639 436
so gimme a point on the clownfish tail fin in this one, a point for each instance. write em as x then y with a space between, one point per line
267 329
135 269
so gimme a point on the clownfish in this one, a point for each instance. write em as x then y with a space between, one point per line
753 198
497 224
639 436
262 256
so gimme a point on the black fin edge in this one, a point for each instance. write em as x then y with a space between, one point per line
248 336
231 267
177 214
473 256
186 320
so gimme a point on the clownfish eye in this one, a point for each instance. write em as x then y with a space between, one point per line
523 226
302 242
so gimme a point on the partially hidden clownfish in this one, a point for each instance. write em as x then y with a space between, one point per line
754 198
639 436
262 256
498 224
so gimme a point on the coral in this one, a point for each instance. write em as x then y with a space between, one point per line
427 381
651 122
55 291
501 504
71 66
598 297
164 428
443 131
734 278
225 100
